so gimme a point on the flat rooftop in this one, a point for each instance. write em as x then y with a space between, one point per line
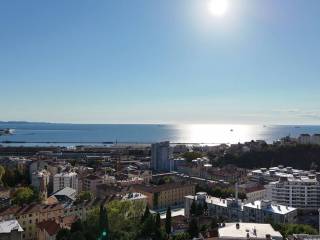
248 231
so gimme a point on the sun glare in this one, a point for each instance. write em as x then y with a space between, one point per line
218 7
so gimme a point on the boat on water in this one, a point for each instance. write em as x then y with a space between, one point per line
6 131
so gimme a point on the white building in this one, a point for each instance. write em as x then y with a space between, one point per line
10 230
302 192
304 139
235 210
253 191
264 211
161 156
315 139
65 179
265 175
39 177
239 231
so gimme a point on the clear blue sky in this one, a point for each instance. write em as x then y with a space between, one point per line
160 61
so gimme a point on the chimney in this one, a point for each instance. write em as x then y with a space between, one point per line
237 225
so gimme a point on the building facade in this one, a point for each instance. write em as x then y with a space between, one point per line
234 210
298 192
10 230
161 156
163 196
65 179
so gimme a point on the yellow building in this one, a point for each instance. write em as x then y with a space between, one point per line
165 195
28 217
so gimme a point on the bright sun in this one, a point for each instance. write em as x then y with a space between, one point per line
218 7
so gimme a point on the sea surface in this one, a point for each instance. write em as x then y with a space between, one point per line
45 134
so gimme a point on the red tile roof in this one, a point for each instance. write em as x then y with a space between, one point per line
50 226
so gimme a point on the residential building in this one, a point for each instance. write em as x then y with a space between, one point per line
304 139
48 230
302 192
10 230
262 211
315 139
253 191
28 216
40 177
165 195
5 202
40 180
265 175
65 179
229 208
90 183
135 197
245 231
161 156
235 210
66 194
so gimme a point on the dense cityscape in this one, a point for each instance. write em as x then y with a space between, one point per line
159 120
161 191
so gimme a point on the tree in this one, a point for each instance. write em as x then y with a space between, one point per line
84 196
123 217
25 195
289 229
2 172
189 156
159 234
76 226
168 221
77 236
193 229
158 220
148 227
146 214
205 208
199 209
63 234
104 223
214 223
193 208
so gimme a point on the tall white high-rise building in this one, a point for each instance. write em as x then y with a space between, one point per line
302 192
161 156
65 179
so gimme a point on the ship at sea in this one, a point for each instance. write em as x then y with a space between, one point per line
6 131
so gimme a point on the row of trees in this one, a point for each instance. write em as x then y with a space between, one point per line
123 220
298 156
12 177
220 192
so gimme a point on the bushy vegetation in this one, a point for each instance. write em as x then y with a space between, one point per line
220 192
25 195
289 229
124 220
189 156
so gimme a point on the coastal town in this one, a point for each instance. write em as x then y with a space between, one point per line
162 191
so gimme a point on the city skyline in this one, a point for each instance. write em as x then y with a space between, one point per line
160 62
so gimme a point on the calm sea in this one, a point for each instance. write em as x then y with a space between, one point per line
43 134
